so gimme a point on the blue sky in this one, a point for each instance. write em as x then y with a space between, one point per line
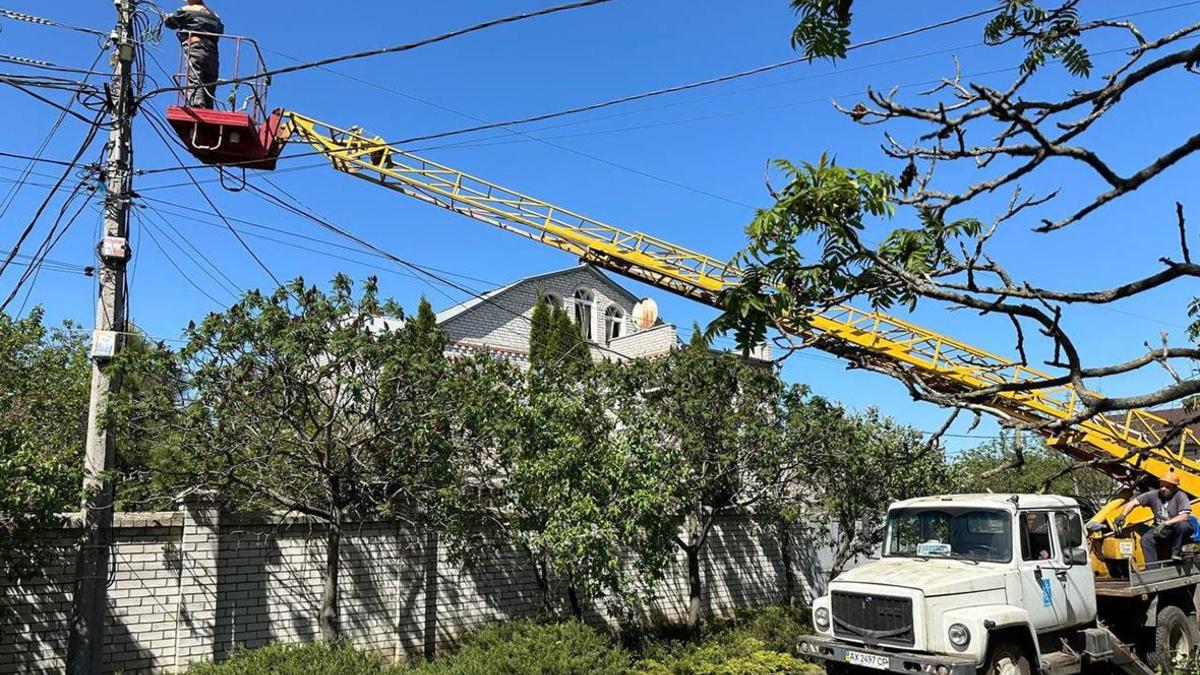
688 167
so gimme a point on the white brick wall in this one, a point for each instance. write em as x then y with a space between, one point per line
190 586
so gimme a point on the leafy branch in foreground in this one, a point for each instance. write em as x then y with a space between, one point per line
1012 136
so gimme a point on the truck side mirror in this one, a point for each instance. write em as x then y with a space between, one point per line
1076 556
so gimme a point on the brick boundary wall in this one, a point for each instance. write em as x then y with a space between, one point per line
192 585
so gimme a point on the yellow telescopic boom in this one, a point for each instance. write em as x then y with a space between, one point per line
1123 447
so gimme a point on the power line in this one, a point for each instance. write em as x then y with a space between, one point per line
342 232
219 277
154 122
15 189
735 76
698 84
296 235
186 277
39 263
42 64
53 236
87 142
40 160
398 48
29 18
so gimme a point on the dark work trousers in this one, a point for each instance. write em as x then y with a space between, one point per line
1175 535
204 67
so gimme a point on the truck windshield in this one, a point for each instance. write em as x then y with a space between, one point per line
983 535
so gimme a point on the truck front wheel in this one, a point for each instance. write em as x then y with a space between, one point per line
1174 639
1007 658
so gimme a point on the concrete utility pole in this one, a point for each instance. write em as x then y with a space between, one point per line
91 584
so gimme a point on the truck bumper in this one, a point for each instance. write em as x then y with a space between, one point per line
896 662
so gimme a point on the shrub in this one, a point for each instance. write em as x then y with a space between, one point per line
777 627
733 654
312 659
755 642
527 648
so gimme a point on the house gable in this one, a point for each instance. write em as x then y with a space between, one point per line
500 320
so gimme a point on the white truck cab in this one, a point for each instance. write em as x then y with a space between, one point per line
972 583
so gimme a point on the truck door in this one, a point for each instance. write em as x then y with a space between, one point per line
1041 590
1076 581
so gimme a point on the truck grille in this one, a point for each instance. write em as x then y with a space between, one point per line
877 618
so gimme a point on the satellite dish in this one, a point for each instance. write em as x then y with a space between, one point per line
645 314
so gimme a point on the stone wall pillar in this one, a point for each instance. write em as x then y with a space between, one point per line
199 548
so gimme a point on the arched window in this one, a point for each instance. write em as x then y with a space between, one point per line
585 300
614 323
553 300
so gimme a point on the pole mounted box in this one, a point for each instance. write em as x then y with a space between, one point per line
115 248
104 345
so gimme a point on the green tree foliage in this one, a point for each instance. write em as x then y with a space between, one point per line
44 382
153 387
556 346
34 487
323 404
823 31
718 420
1045 33
579 490
45 376
867 462
828 205
1023 464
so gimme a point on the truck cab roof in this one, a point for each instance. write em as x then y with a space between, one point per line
988 500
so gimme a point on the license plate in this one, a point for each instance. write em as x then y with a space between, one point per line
868 660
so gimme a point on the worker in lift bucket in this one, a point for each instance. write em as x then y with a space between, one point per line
1172 522
198 28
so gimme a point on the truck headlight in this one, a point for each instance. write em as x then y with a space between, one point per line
821 618
959 635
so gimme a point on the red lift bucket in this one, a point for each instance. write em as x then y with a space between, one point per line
238 131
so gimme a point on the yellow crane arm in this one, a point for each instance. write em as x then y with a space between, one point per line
1121 447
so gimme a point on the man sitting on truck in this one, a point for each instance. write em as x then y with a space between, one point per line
1171 519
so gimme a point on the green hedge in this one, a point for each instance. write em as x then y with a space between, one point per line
529 648
757 642
311 659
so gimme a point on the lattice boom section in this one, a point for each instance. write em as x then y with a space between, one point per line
975 369
695 275
372 158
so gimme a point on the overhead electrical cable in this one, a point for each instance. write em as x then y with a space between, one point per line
45 65
396 49
29 18
233 291
196 255
228 282
31 161
737 75
39 160
167 140
48 101
342 232
324 243
87 142
53 236
192 282
695 85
